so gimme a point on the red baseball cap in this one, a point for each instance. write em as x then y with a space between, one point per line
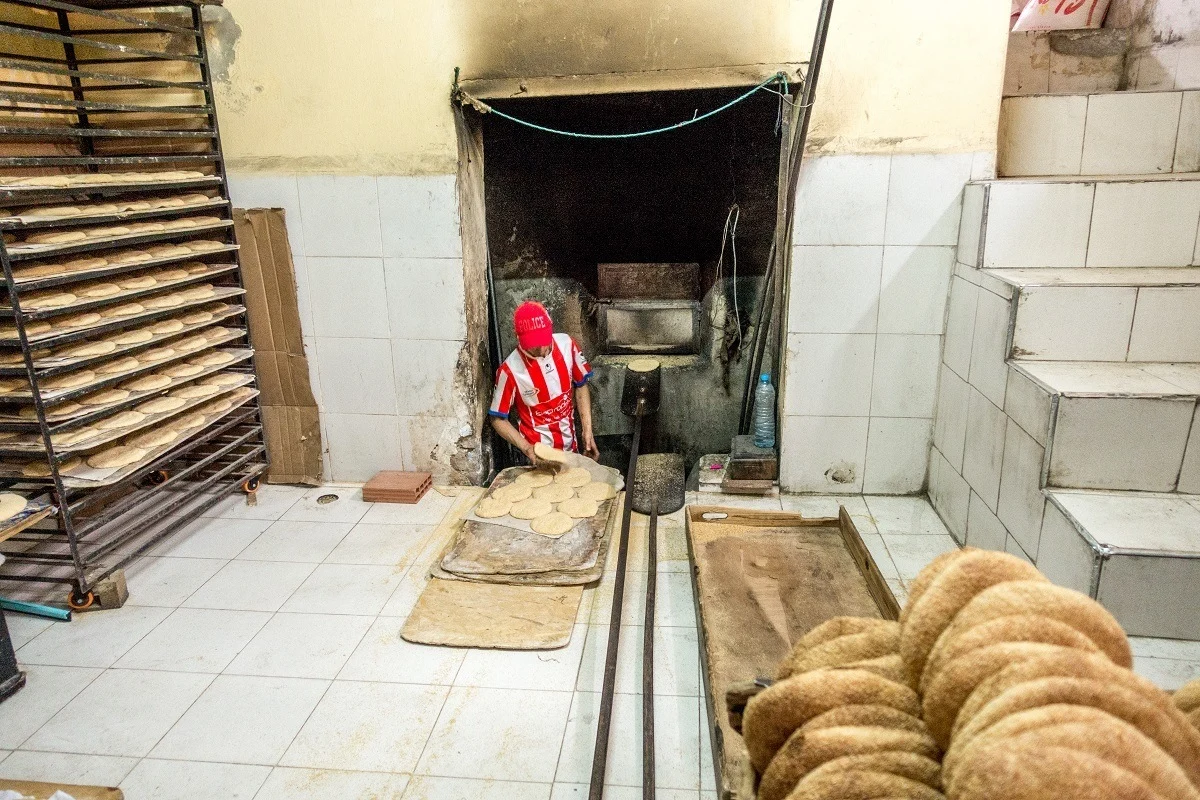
533 325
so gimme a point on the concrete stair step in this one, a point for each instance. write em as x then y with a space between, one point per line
1137 553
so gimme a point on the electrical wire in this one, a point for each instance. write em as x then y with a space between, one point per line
729 234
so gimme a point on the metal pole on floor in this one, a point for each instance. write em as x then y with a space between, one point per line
648 658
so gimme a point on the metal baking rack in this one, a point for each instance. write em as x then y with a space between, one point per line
95 89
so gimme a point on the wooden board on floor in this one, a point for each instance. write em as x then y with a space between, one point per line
40 791
763 579
498 616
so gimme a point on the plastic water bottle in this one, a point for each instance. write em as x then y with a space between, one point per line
764 412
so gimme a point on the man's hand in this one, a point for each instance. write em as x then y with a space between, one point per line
589 446
540 463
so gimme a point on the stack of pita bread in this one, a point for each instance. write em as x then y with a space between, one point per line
994 685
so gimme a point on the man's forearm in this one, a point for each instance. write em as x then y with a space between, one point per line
511 435
583 398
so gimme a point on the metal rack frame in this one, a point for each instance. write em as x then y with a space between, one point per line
97 531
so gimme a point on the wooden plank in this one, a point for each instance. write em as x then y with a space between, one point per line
25 522
41 791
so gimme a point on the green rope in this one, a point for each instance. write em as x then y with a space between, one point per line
778 77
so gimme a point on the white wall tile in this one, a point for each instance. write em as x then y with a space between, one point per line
949 494
430 442
906 374
983 165
834 289
361 445
983 456
1027 68
989 347
1028 405
419 216
1042 134
823 454
348 297
1032 224
249 190
1013 548
1152 223
1130 133
1187 145
897 455
340 214
960 325
842 200
1187 67
915 283
1050 319
1166 326
356 376
425 373
829 374
925 198
984 529
950 422
1063 555
970 226
1189 475
1021 497
426 298
1154 69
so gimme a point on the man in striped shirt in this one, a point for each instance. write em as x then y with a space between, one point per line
543 378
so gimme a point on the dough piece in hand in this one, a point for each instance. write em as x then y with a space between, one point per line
196 390
118 365
532 508
596 490
554 492
158 438
579 508
513 493
117 457
41 469
574 477
11 505
126 419
105 397
161 405
491 508
547 453
553 524
534 478
147 383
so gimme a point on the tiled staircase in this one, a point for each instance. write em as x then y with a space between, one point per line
1067 428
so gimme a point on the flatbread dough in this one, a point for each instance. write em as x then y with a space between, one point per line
131 257
198 292
190 343
88 349
161 405
41 469
154 438
77 321
51 300
598 491
105 397
196 391
96 290
491 508
183 370
11 505
578 508
164 301
118 365
513 493
532 508
138 282
573 477
554 492
126 419
70 380
204 245
58 237
224 378
213 359
643 365
31 329
554 524
135 336
197 318
535 478
147 383
166 326
547 453
126 310
157 354
175 274
72 438
189 422
116 457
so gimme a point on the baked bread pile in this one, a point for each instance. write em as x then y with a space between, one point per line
995 684
1187 700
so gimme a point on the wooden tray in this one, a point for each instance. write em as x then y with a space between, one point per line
762 580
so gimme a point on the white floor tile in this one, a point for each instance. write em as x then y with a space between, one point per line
912 553
676 741
71 768
301 646
1177 649
383 656
1167 673
428 788
579 791
348 507
676 661
195 640
250 586
291 540
122 713
168 581
288 783
390 545
485 733
243 720
816 505
898 591
428 511
879 552
368 726
345 589
92 640
270 502
209 537
23 627
46 691
905 515
401 603
155 779
552 670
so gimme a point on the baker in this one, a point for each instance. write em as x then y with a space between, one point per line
544 377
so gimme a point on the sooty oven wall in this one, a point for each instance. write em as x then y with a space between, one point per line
558 206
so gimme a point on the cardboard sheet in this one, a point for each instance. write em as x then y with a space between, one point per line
289 409
496 616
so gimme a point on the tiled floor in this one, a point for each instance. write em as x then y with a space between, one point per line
259 657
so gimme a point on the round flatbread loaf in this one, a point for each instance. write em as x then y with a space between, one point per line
156 354
491 508
596 490
125 419
861 785
204 245
1009 770
554 492
37 271
32 328
104 398
573 477
77 321
889 666
554 524
195 267
196 391
131 257
135 336
878 640
117 457
579 508
907 765
166 326
11 505
169 251
118 365
97 290
72 438
198 292
190 343
212 359
1187 697
124 310
41 469
138 282
225 379
532 508
865 715
197 318
52 211
70 380
157 438
88 349
188 422
57 237
147 383
547 453
213 334
534 478
170 275
513 493
643 365
56 300
60 411
164 301
108 232
919 584
86 263
161 405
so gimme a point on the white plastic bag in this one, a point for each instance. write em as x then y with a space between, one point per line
1057 15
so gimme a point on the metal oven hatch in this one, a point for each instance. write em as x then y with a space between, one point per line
650 326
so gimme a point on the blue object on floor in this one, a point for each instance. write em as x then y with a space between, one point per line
36 609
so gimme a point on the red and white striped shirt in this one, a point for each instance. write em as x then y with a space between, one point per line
543 391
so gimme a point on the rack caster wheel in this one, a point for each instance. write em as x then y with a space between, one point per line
159 477
251 485
76 603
